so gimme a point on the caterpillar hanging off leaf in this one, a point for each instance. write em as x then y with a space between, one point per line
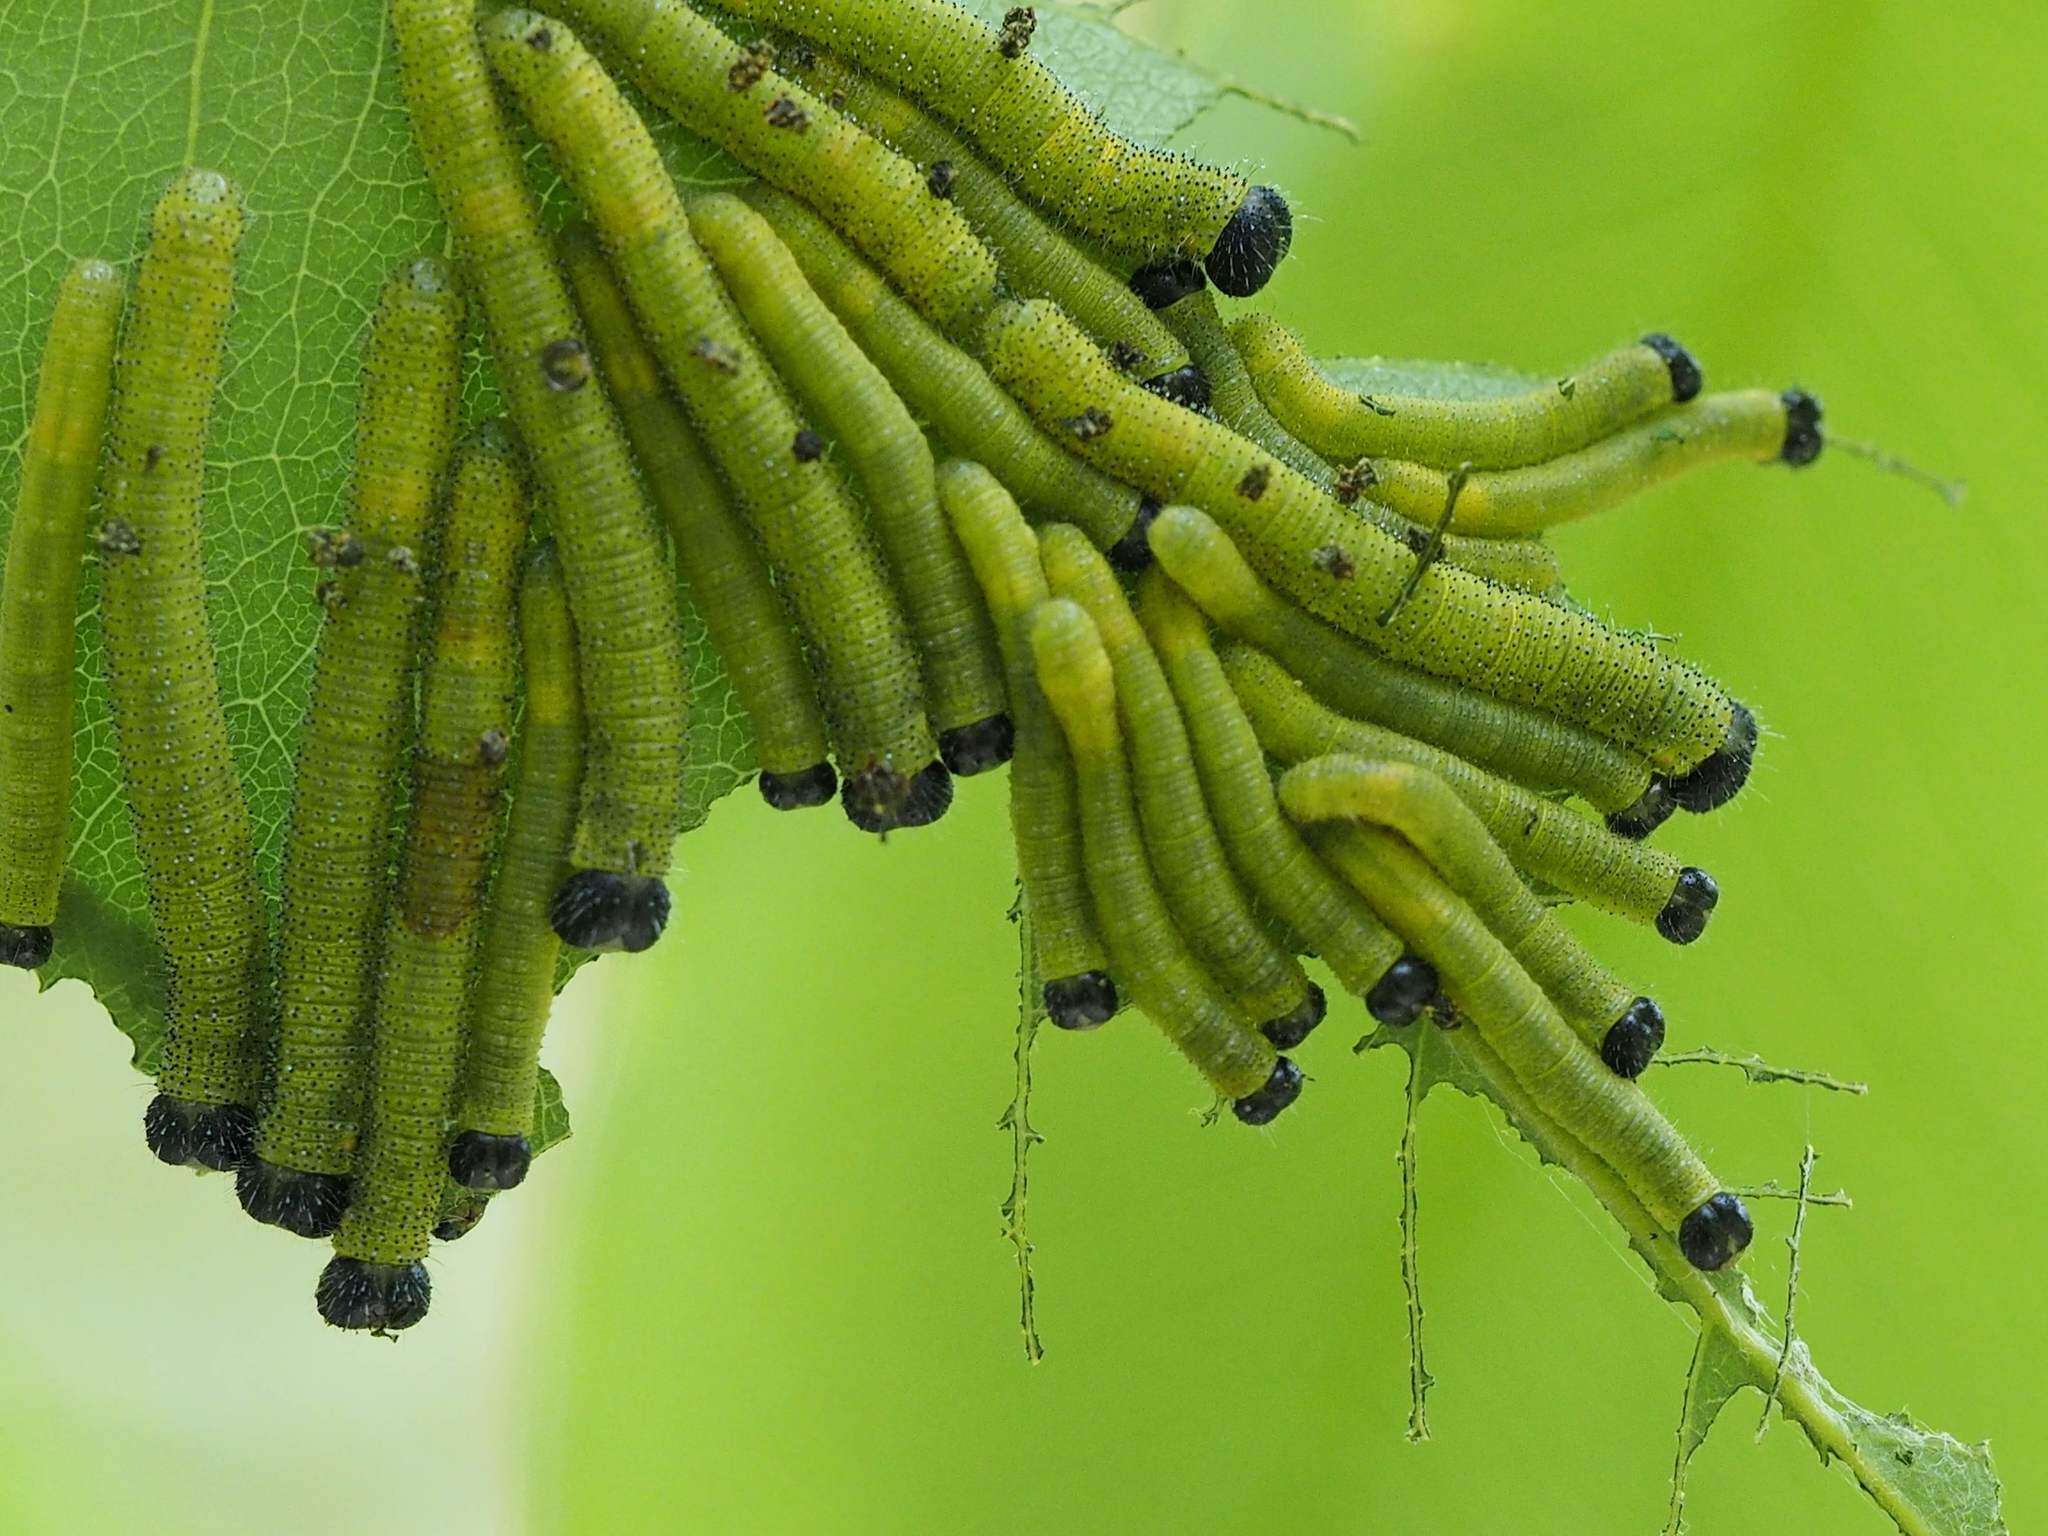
191 821
39 605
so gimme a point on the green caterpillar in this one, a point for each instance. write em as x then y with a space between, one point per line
807 523
1202 894
191 822
1270 856
780 131
1528 564
1626 1029
1442 620
39 606
1561 1075
1036 259
850 398
515 985
1512 740
1545 839
635 689
1524 564
1750 425
952 391
1068 953
1507 433
727 577
1165 980
1142 201
358 723
376 1279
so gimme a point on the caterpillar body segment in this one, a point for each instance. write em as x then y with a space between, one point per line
798 142
39 605
1193 319
1546 840
807 523
635 688
358 723
1071 960
515 985
191 822
1164 979
1421 808
1565 1078
1558 418
1270 856
851 399
1036 259
949 388
720 562
468 682
1193 872
1141 201
1441 620
1517 742
1753 426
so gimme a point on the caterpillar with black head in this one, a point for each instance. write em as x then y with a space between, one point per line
851 399
1165 979
1068 955
376 1279
515 985
1202 893
1508 432
1560 1073
866 666
39 606
1548 841
1623 1026
1753 426
1269 855
1144 202
635 688
358 723
728 580
192 827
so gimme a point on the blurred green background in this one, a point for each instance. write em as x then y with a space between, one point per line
763 1289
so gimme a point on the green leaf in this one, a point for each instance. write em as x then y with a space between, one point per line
1718 1372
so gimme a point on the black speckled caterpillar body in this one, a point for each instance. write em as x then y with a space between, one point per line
191 821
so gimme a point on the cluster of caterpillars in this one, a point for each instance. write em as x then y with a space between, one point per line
945 439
